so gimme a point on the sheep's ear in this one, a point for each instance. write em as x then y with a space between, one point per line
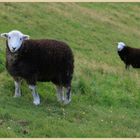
4 35
26 37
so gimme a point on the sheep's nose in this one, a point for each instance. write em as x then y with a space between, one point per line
13 48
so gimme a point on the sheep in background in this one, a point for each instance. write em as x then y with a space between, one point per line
39 60
130 56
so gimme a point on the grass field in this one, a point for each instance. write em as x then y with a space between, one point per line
105 97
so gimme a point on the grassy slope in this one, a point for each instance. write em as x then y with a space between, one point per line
106 98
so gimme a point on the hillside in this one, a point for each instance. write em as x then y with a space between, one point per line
105 97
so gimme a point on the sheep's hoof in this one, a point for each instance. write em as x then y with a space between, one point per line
37 101
17 95
60 100
66 102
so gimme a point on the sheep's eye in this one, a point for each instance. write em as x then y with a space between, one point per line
9 37
20 38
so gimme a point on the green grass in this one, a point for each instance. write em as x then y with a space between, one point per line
105 97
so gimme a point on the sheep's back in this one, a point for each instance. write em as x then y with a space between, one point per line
47 51
134 57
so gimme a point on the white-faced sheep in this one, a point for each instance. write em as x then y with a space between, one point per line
130 56
39 60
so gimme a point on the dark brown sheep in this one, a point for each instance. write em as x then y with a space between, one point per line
130 56
40 60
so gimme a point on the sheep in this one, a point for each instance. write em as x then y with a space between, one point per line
130 56
43 60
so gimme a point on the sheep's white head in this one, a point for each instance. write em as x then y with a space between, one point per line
121 45
14 39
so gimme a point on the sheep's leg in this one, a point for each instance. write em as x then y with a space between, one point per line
59 93
126 66
36 97
68 95
17 88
